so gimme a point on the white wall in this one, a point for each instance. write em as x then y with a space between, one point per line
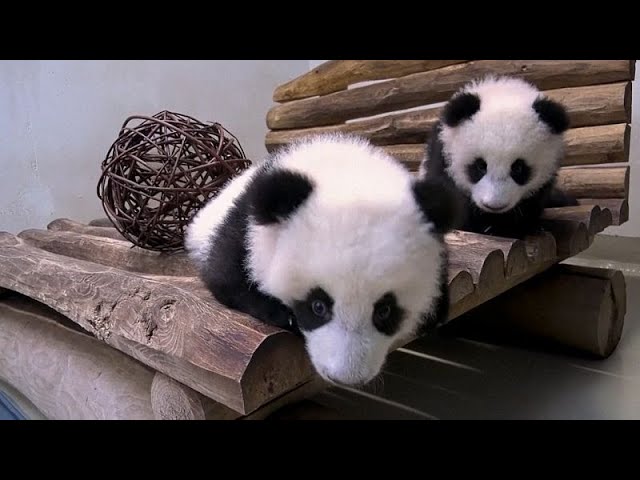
59 118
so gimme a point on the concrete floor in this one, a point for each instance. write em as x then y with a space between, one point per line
467 378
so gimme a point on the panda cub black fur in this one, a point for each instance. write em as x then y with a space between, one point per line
338 241
499 141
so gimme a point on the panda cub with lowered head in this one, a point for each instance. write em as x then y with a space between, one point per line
335 240
499 141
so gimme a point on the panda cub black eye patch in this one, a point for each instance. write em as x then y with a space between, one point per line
520 171
387 314
476 170
315 310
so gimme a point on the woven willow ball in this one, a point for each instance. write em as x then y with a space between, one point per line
160 172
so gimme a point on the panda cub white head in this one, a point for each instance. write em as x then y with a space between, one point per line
347 238
502 140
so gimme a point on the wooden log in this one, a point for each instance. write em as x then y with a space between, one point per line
67 225
411 155
69 375
101 222
110 252
227 356
513 251
438 85
618 207
587 106
575 227
407 127
460 284
171 400
336 75
595 145
482 266
521 257
541 248
584 146
593 217
597 104
605 182
583 308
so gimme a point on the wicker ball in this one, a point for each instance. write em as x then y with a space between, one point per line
160 172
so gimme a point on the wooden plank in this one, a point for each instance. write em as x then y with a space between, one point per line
587 106
595 182
513 255
407 127
619 207
481 262
572 231
70 375
171 400
438 85
101 222
594 218
108 251
460 283
336 75
582 308
584 146
227 356
67 225
597 145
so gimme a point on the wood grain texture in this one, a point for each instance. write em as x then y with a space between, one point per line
67 225
606 182
68 375
171 400
336 75
229 357
583 308
438 85
584 146
574 228
497 265
587 106
101 222
108 251
618 207
595 145
595 218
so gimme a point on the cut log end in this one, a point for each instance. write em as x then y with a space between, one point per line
101 222
577 307
171 400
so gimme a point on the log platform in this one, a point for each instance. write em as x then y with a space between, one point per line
167 349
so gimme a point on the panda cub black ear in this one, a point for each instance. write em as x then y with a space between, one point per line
552 113
461 107
440 202
276 195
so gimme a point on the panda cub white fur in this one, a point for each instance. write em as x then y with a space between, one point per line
334 240
499 141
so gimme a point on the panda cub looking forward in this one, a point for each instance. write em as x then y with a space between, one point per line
332 238
500 142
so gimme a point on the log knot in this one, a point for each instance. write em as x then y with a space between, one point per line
100 319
